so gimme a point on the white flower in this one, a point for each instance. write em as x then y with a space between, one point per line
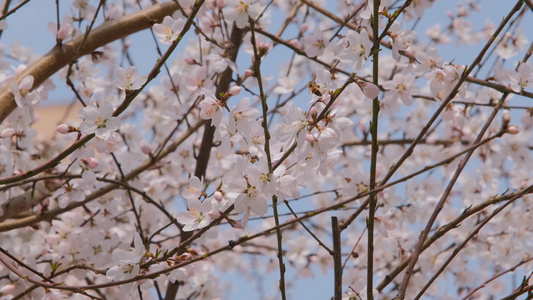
127 263
66 194
220 64
315 43
242 118
386 223
521 79
169 29
240 10
133 256
194 190
99 120
24 97
197 216
358 49
400 39
401 86
210 108
129 79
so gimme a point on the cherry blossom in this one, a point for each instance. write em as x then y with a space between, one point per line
401 39
24 97
198 215
315 43
521 79
99 121
126 263
169 30
401 87
242 118
357 49
240 10
64 31
129 79
194 190
211 108
228 162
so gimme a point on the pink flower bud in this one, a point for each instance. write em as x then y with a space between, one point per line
62 34
314 112
238 225
512 129
7 133
263 48
309 137
506 118
185 256
63 129
37 209
234 90
221 3
295 43
304 27
362 127
90 162
249 72
198 143
146 149
214 213
7 289
369 89
191 61
218 196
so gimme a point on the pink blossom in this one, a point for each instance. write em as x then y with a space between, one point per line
99 121
197 216
240 10
211 108
129 79
401 86
357 49
169 30
315 43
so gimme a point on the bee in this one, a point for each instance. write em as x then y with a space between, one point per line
314 88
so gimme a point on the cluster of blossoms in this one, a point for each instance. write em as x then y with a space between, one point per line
161 186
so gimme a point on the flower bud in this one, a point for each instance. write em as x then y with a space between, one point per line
146 149
309 137
295 43
304 27
234 90
369 89
512 129
263 48
191 61
63 129
218 196
214 213
90 162
506 118
7 289
249 72
63 33
238 225
313 112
